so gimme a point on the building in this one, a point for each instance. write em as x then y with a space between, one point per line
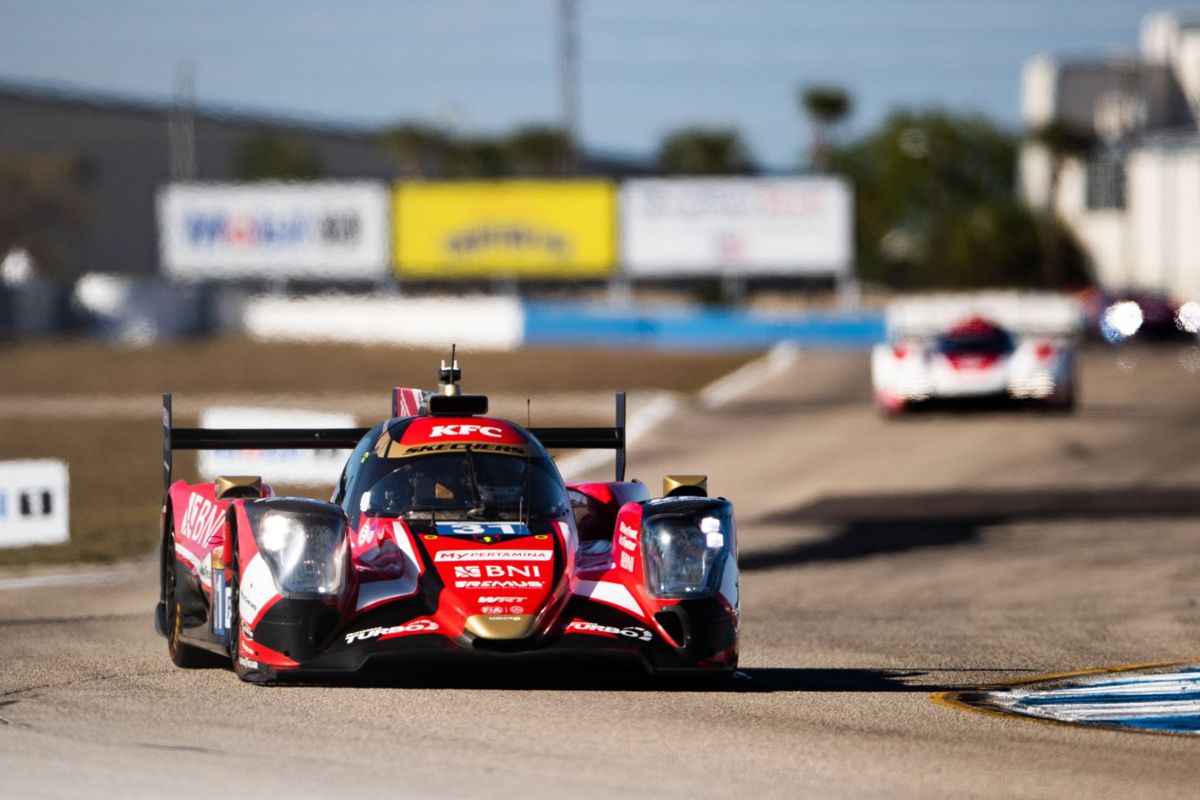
111 154
1134 201
115 153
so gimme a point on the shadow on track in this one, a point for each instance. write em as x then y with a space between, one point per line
868 525
540 679
999 404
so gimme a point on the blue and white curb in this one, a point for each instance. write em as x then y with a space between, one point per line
1158 701
583 324
505 323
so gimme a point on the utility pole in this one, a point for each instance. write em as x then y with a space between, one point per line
181 124
568 79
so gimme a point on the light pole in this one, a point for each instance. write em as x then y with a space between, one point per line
568 80
181 124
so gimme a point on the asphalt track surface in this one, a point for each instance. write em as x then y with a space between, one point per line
883 561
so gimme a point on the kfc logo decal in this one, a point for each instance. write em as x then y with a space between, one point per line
465 430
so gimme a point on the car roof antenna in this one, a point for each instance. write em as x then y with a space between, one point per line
448 377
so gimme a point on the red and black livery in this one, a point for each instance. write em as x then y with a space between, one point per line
450 535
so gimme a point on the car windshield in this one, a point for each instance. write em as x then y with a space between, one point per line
470 485
984 343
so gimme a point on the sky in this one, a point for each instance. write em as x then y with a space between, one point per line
646 67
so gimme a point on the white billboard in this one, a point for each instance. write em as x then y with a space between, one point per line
307 467
34 502
275 230
477 323
739 226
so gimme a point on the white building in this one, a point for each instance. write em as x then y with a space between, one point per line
1135 203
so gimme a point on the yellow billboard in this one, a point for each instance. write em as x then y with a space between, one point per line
522 228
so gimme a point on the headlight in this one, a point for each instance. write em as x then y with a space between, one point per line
685 553
306 551
1121 320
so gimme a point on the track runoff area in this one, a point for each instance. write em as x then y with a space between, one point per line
969 558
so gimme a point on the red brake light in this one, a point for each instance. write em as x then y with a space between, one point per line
899 350
1044 351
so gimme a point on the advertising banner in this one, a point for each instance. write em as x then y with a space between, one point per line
306 467
475 323
34 502
512 228
741 226
323 230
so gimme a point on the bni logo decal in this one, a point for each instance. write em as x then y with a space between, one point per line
497 571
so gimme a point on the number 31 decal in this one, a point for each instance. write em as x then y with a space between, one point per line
478 528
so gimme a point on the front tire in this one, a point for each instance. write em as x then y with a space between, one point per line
1065 402
890 406
235 607
182 655
243 671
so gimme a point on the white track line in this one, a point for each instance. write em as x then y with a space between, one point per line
721 392
749 376
643 419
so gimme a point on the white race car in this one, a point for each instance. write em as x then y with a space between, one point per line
976 358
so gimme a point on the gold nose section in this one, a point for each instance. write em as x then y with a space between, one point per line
674 485
230 486
500 626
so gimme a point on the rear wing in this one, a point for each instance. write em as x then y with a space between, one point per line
345 438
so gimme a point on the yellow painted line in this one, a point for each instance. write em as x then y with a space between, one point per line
953 697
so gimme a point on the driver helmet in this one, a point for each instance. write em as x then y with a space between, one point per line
447 480
502 482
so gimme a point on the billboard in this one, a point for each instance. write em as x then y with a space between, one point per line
307 467
475 323
742 226
34 502
274 230
518 228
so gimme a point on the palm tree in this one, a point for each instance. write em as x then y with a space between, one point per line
1062 141
826 106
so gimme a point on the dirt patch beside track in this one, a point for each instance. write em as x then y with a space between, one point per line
76 367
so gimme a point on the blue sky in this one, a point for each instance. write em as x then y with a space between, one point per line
646 66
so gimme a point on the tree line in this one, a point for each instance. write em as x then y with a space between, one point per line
425 151
934 191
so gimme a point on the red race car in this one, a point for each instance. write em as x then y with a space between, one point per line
450 534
